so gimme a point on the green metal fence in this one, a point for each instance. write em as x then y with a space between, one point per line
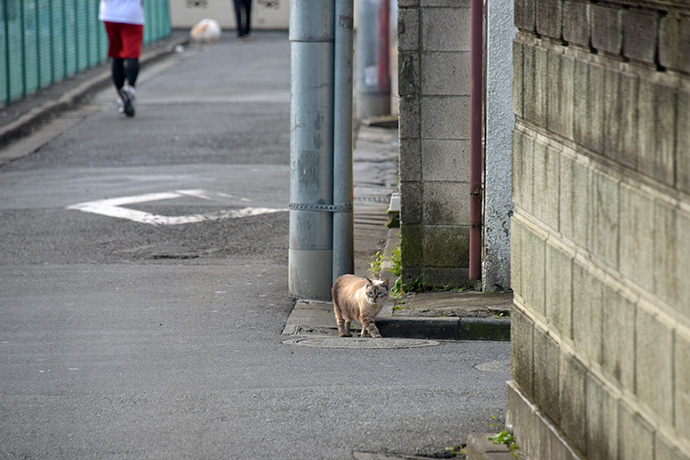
45 41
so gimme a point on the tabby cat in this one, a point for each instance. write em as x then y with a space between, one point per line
358 298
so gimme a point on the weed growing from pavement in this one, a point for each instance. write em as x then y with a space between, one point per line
505 438
376 264
456 451
396 261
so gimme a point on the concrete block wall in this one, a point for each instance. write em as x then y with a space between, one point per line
601 229
434 89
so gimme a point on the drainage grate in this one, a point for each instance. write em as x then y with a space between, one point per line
350 342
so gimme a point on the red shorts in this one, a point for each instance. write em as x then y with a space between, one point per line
125 39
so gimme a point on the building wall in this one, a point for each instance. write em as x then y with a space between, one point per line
601 230
434 89
498 206
266 14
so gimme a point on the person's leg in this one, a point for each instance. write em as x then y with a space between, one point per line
118 71
238 17
131 71
114 52
247 17
132 36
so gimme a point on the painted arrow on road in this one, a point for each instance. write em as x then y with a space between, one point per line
114 207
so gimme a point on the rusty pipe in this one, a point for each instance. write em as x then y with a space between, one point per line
476 87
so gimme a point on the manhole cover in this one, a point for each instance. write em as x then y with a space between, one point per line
351 342
494 366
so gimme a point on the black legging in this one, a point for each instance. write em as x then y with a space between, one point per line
125 69
243 14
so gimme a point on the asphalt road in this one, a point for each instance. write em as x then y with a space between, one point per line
143 291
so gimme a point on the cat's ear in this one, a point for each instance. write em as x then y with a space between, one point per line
368 280
385 283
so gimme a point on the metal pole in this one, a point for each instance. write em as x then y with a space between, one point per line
476 138
310 253
343 226
373 78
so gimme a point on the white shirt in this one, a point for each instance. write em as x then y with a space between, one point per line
123 11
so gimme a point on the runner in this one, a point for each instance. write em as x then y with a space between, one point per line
124 24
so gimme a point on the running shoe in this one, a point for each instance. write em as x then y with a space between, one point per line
120 106
127 95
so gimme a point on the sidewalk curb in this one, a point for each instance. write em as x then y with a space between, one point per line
493 329
26 122
445 328
480 447
316 317
497 330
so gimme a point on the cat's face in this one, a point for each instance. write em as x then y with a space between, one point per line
377 290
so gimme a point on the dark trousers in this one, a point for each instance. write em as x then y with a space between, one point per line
243 14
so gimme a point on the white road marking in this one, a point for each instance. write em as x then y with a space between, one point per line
114 207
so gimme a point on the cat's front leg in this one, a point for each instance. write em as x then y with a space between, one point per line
372 329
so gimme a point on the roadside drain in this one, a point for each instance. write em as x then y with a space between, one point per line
350 342
494 366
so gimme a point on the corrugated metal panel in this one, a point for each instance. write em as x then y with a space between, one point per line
15 48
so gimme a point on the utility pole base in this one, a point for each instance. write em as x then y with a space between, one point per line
306 278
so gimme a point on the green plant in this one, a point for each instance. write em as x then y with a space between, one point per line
418 285
396 291
376 264
507 439
397 261
456 450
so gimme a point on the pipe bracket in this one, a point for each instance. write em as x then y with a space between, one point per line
320 207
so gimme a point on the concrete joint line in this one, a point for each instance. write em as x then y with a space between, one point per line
648 72
605 274
598 163
595 369
543 419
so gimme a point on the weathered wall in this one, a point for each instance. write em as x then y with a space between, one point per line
601 230
498 206
434 88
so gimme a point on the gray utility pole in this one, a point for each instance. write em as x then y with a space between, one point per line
343 220
318 249
373 59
